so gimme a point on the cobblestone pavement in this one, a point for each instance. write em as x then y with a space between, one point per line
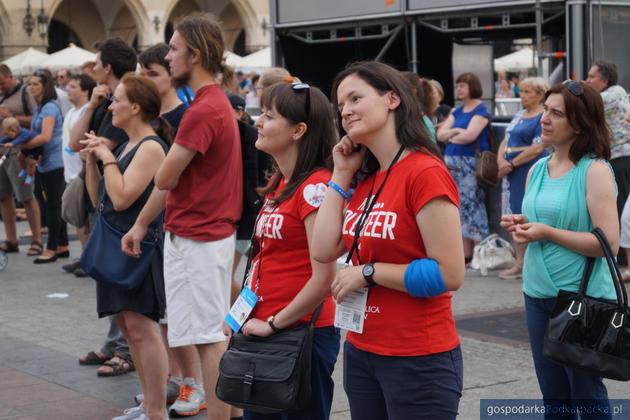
41 337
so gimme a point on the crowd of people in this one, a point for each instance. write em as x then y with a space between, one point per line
167 158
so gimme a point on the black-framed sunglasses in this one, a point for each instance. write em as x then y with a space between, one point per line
574 87
304 87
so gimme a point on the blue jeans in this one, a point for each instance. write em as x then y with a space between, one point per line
561 387
403 388
326 342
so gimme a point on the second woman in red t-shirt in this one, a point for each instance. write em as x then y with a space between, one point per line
296 128
401 227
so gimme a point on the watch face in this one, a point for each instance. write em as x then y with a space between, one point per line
368 270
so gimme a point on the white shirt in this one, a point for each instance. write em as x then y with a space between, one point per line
63 101
72 162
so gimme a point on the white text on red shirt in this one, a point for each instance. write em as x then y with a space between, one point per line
379 224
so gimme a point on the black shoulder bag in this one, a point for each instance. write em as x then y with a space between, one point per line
268 374
589 333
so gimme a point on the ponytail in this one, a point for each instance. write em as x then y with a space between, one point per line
227 81
163 129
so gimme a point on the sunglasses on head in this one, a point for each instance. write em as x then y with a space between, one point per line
574 87
303 87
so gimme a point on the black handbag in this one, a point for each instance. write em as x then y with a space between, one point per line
268 374
589 333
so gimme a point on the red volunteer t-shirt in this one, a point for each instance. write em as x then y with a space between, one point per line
283 266
397 324
206 204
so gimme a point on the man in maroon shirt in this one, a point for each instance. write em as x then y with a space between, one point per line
200 184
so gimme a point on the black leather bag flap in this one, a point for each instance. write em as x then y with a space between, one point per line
262 367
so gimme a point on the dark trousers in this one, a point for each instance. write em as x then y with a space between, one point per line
326 342
563 389
52 184
403 388
621 169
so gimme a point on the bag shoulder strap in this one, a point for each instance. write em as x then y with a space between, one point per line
25 108
316 313
491 136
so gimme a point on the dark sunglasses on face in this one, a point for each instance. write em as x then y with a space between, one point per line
303 87
574 87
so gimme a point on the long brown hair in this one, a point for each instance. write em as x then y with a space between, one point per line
143 92
410 130
315 146
585 113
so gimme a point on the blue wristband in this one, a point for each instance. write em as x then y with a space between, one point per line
340 190
424 279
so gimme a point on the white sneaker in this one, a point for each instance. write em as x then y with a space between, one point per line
145 417
132 413
191 399
172 390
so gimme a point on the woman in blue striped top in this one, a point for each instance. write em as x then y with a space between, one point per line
567 195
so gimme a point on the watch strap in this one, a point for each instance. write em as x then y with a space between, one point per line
370 279
271 324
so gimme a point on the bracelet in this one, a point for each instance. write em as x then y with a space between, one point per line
346 195
511 164
114 162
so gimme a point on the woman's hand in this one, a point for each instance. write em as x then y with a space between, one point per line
348 157
510 221
130 243
227 330
525 233
257 327
96 146
505 167
346 281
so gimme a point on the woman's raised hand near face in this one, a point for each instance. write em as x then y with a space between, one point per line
348 157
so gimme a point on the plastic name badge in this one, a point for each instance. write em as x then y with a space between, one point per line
241 309
350 313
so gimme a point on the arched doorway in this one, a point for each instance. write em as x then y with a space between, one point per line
60 36
85 22
234 30
77 21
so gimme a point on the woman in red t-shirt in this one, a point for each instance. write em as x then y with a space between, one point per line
401 228
296 128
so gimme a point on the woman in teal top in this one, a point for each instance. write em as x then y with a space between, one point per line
567 195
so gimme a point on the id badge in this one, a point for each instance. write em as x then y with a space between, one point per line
241 309
350 314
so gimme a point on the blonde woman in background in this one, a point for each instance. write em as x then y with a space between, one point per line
519 150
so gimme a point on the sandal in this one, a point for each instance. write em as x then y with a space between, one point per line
92 358
9 247
119 366
35 249
513 273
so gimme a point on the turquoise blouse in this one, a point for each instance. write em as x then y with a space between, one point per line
560 203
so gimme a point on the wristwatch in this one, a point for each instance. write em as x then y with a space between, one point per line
270 322
368 274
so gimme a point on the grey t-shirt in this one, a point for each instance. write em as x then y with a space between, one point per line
19 101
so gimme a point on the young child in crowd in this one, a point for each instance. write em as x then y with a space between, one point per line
14 135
